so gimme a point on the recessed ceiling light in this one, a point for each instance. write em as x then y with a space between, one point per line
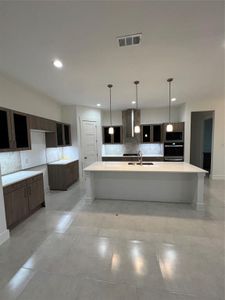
173 99
57 63
99 104
133 102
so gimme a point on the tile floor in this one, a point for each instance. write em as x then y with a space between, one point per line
113 250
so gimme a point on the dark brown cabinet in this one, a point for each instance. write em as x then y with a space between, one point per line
38 123
151 133
5 130
36 192
62 176
116 138
15 131
22 199
60 138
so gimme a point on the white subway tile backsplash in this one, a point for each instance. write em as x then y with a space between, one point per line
10 162
120 149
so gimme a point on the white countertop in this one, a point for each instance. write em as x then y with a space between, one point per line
121 155
18 176
61 162
163 167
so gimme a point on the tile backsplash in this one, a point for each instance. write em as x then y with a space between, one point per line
10 162
38 155
120 149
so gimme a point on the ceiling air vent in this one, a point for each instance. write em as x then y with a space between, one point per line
129 40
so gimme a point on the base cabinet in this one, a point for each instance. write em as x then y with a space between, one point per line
22 199
62 176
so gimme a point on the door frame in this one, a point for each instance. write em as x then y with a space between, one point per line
81 144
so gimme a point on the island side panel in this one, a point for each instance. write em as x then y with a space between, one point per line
198 201
145 186
90 186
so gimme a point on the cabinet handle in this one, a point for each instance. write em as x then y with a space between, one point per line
29 190
25 193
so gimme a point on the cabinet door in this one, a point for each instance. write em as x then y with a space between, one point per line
67 135
60 134
5 130
107 138
16 206
36 193
146 133
157 133
20 131
117 137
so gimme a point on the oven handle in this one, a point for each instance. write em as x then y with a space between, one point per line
173 159
173 146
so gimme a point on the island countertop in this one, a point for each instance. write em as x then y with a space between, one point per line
160 167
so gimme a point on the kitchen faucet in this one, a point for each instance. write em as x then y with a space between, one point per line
140 158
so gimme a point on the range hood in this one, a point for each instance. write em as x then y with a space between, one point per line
131 117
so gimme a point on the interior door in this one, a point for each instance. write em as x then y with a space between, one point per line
89 153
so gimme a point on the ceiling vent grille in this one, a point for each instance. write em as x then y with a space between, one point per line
129 40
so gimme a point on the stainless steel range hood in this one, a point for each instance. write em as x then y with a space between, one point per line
131 117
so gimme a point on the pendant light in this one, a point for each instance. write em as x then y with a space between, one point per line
111 129
169 127
137 128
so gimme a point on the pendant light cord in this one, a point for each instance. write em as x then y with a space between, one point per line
169 80
136 83
110 103
110 100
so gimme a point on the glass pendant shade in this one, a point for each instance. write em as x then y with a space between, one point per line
169 128
137 129
111 130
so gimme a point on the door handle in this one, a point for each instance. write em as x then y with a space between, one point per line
85 157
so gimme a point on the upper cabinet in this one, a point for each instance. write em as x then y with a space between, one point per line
116 138
151 133
60 138
14 131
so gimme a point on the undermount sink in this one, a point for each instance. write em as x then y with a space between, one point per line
139 164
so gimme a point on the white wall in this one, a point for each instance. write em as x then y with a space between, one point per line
15 95
218 154
148 116
89 114
4 233
69 115
197 136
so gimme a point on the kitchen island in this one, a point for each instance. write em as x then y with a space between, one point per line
157 182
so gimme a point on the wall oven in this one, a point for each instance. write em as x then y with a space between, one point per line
175 136
174 151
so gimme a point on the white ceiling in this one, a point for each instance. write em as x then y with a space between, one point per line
181 39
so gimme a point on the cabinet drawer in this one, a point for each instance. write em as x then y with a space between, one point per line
12 187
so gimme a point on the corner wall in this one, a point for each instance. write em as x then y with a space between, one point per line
218 154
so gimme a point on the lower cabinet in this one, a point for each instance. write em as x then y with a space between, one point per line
22 199
62 176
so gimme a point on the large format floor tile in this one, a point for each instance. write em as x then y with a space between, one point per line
116 250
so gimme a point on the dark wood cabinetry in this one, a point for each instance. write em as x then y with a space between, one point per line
60 138
151 133
38 123
14 131
62 176
116 138
22 199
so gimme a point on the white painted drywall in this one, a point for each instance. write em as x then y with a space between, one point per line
148 116
69 115
17 96
218 154
197 136
4 233
84 113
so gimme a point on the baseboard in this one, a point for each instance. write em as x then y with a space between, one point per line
217 177
4 236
